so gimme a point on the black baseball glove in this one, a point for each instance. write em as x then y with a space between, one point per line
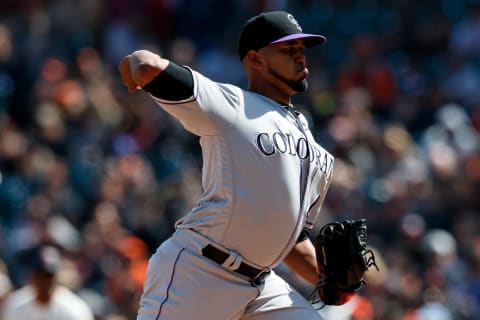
342 253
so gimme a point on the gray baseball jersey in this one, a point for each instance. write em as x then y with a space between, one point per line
252 150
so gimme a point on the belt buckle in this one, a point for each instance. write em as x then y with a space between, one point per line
258 279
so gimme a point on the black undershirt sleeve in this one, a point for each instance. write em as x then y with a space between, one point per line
303 235
174 83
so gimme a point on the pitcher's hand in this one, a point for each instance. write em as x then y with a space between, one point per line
139 68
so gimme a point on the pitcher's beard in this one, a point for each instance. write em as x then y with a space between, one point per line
295 85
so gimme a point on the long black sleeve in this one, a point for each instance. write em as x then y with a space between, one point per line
174 83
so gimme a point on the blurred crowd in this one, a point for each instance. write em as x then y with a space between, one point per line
102 175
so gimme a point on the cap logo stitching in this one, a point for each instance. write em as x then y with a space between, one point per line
295 22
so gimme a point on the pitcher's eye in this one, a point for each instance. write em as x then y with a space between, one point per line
289 50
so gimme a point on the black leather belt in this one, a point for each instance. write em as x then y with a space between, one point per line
255 275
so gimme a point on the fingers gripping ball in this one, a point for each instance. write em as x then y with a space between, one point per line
343 255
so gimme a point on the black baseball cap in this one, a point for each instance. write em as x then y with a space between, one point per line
273 27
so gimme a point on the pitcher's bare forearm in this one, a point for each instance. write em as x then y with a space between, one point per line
303 261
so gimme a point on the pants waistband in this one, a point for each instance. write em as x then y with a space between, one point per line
224 257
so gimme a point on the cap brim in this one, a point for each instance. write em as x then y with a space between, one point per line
311 40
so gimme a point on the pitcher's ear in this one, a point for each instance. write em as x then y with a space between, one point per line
255 59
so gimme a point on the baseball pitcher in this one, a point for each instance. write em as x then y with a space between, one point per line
264 179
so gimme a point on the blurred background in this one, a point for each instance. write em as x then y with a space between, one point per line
102 174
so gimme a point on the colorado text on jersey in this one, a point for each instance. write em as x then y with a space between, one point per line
285 143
